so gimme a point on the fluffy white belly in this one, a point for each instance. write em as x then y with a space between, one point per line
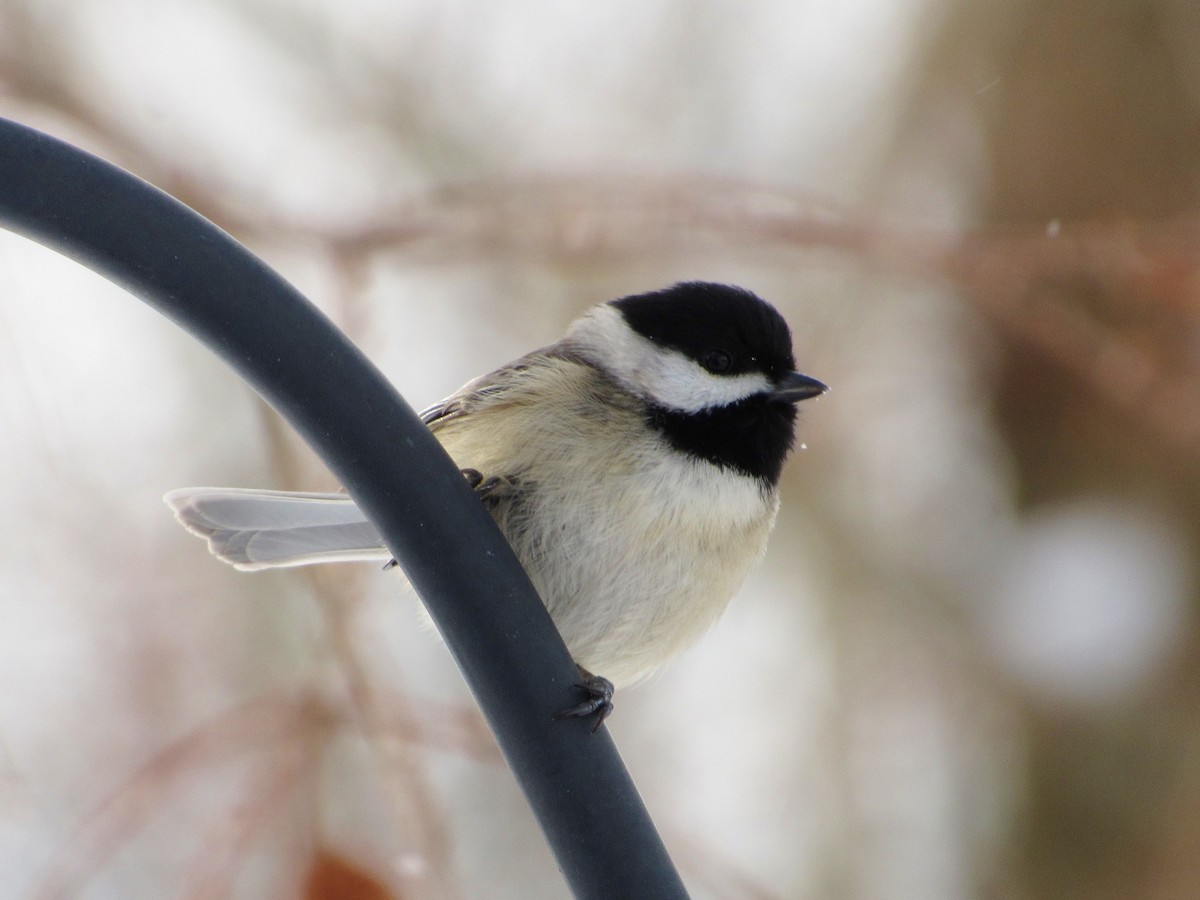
636 568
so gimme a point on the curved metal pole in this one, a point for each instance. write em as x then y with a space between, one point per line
460 564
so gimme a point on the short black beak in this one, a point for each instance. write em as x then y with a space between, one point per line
794 387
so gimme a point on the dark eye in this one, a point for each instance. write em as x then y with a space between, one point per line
716 361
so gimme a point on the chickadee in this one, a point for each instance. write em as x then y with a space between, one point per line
633 466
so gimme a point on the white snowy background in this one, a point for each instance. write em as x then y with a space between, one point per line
968 665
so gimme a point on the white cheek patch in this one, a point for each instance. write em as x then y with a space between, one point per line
665 377
678 383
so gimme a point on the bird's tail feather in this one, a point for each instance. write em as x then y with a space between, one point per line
252 529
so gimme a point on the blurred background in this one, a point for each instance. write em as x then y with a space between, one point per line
968 667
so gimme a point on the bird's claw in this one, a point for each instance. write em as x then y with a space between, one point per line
489 490
598 702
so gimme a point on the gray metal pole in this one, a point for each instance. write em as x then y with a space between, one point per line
459 563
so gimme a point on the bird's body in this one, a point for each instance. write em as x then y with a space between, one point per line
631 570
636 486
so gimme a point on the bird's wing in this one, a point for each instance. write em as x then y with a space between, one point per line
491 389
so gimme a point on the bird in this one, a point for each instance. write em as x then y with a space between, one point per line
633 466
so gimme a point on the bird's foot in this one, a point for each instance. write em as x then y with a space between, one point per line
490 490
598 702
